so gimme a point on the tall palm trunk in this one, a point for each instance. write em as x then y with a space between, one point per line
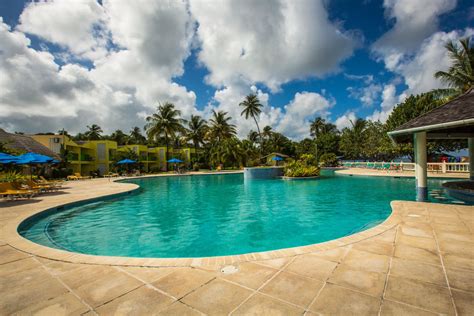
166 152
259 136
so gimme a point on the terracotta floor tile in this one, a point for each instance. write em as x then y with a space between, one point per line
461 279
417 254
334 255
377 247
106 288
425 295
250 274
9 254
218 297
418 271
149 274
183 281
66 304
260 304
464 302
390 308
418 242
335 300
456 262
371 283
142 301
179 309
312 267
362 260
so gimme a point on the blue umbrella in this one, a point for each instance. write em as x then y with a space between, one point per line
32 158
126 161
277 158
174 160
6 158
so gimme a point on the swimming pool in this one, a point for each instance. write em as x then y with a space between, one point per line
214 215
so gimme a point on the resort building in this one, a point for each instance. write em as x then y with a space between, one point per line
86 156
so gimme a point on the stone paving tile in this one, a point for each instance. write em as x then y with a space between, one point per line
416 232
18 266
417 254
183 281
217 297
149 275
250 275
390 308
9 254
464 302
368 282
142 301
418 242
180 309
424 295
312 267
336 300
418 271
58 267
334 255
66 304
293 288
362 260
260 304
456 262
103 288
85 274
443 236
275 263
377 247
458 248
440 228
461 279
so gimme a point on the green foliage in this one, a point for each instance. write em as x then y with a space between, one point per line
128 153
328 160
303 167
11 176
94 132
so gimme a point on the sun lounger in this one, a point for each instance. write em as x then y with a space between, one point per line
77 176
9 191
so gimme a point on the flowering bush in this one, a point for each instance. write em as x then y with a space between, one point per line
303 167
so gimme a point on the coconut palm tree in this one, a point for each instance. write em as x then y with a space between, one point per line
252 108
93 132
460 75
136 136
166 123
120 137
196 131
220 128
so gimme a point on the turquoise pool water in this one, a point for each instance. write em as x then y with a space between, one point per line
213 215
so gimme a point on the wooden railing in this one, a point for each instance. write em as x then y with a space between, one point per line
441 167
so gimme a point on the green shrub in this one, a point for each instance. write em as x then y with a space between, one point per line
11 176
328 160
303 167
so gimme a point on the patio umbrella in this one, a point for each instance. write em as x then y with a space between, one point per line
32 158
174 160
126 161
277 158
6 158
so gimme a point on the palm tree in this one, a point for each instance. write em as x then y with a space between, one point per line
220 128
165 122
316 128
120 137
136 136
460 75
353 139
252 108
196 131
93 132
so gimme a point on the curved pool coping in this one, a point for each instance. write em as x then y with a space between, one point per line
14 239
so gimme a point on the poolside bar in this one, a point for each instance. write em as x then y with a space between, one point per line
453 120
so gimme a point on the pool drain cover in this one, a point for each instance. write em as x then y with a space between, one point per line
229 269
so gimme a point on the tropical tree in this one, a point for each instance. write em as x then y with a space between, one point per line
220 128
166 123
120 137
460 76
252 108
136 136
352 139
196 131
94 132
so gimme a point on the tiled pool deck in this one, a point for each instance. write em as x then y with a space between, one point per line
420 262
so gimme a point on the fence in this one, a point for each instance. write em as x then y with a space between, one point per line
440 167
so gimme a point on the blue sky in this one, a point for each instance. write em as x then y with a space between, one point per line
86 62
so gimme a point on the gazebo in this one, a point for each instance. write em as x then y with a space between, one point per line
453 120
